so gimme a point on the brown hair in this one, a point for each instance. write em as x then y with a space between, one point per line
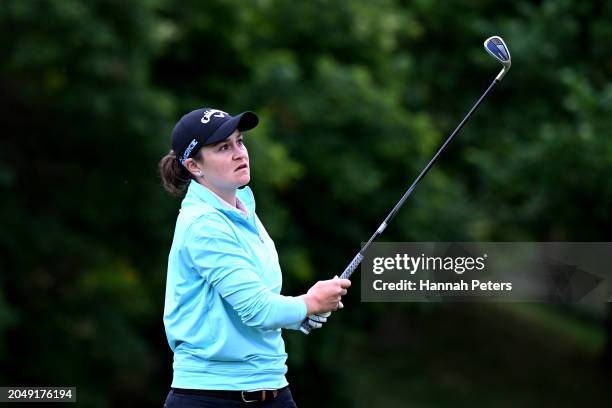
175 177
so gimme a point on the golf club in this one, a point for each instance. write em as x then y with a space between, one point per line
498 49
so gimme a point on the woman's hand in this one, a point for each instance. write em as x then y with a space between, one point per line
325 295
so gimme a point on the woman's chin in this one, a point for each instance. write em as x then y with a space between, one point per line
244 179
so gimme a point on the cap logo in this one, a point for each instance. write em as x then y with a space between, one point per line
209 113
188 150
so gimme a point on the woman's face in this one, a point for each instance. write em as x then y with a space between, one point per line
225 164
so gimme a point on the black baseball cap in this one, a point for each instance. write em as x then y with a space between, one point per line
207 126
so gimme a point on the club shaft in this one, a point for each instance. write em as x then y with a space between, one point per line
305 327
357 260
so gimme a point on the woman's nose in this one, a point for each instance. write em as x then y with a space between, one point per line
240 152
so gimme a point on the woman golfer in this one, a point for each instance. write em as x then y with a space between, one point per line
223 311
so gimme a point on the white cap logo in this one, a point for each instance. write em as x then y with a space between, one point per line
209 113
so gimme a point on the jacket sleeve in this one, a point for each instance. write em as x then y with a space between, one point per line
223 263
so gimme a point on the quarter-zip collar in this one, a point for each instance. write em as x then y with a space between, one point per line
199 193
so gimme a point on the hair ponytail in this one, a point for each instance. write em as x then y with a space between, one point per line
175 177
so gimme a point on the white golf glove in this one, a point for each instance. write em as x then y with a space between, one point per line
316 320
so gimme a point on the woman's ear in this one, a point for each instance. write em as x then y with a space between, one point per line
193 168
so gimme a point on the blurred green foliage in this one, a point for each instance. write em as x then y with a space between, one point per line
355 97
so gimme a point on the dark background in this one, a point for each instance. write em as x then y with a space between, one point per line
354 98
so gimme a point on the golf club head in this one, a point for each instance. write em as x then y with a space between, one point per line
497 48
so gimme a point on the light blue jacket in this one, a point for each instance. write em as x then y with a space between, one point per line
224 313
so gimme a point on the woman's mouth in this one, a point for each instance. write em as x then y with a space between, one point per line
241 167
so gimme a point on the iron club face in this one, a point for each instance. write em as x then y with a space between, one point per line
497 48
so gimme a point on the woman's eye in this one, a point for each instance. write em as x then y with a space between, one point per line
240 142
223 147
